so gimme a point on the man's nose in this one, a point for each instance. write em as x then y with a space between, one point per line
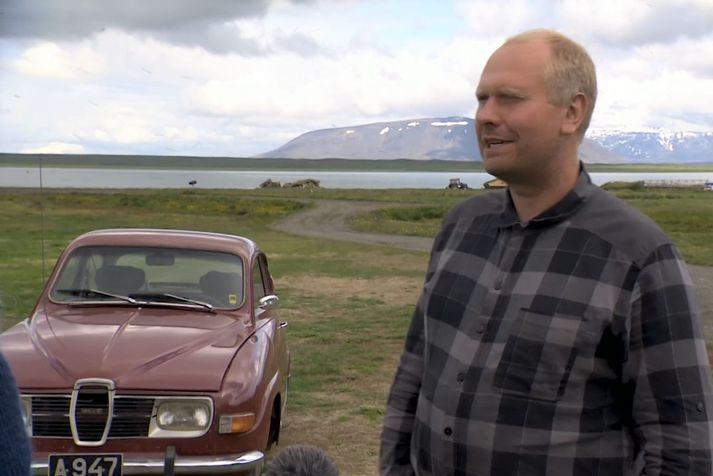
486 112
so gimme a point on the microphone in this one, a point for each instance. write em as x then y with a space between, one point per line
301 460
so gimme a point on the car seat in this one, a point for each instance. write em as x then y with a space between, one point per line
122 280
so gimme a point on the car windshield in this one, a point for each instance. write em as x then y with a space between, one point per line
165 276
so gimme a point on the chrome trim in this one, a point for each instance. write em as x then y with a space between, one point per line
94 382
269 302
27 413
186 465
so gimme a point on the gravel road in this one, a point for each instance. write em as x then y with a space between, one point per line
329 219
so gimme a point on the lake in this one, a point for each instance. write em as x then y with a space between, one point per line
52 177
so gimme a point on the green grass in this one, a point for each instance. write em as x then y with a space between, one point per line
41 225
685 215
348 305
412 221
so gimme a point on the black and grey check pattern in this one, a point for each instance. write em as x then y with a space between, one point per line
566 346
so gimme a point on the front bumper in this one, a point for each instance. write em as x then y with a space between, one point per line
248 463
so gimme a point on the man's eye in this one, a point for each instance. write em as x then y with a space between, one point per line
509 99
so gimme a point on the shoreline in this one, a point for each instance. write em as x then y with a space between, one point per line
142 162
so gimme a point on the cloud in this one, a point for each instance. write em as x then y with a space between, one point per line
634 95
220 39
638 22
242 77
621 23
55 148
499 20
298 43
52 61
209 24
695 56
325 89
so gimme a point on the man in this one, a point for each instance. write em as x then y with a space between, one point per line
15 450
556 333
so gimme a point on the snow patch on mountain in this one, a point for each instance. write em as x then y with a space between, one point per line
449 123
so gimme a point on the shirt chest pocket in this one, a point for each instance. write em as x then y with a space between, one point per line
539 354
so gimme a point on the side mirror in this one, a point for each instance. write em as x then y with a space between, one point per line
269 302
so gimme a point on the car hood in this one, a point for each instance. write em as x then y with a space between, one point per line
141 348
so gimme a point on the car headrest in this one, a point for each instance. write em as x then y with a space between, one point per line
122 280
225 287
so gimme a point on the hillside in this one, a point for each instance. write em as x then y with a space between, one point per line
453 138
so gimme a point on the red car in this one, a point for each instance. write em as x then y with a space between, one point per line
150 348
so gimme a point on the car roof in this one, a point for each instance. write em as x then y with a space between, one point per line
200 240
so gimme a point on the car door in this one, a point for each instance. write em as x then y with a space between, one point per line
267 309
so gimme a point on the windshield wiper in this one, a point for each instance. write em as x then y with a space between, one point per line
88 292
136 298
174 297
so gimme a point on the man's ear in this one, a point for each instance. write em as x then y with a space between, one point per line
574 115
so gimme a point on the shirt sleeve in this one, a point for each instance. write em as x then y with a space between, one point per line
400 413
394 456
14 443
672 396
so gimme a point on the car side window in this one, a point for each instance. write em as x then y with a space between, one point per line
258 282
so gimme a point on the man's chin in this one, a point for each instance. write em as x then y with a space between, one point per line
495 166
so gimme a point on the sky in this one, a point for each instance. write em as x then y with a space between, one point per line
239 78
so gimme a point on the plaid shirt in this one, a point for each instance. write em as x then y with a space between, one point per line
569 345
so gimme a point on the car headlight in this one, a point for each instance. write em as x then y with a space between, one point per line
183 415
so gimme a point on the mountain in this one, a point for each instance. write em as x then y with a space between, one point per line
659 146
450 138
453 138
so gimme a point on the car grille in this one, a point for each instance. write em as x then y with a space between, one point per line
131 415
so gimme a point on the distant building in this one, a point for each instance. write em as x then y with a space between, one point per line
269 183
305 183
495 183
676 184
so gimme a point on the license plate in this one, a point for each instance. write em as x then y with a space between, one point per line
77 464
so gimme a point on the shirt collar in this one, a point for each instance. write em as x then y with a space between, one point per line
569 204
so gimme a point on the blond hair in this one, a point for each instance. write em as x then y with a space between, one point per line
570 72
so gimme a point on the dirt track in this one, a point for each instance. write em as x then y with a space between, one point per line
329 219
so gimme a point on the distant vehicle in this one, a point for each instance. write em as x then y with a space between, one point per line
457 184
708 186
149 342
192 182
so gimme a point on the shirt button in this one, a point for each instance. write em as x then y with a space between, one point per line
498 284
460 377
447 431
481 328
700 407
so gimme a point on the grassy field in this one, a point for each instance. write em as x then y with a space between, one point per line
685 215
348 304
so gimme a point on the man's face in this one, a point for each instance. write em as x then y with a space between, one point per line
518 127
